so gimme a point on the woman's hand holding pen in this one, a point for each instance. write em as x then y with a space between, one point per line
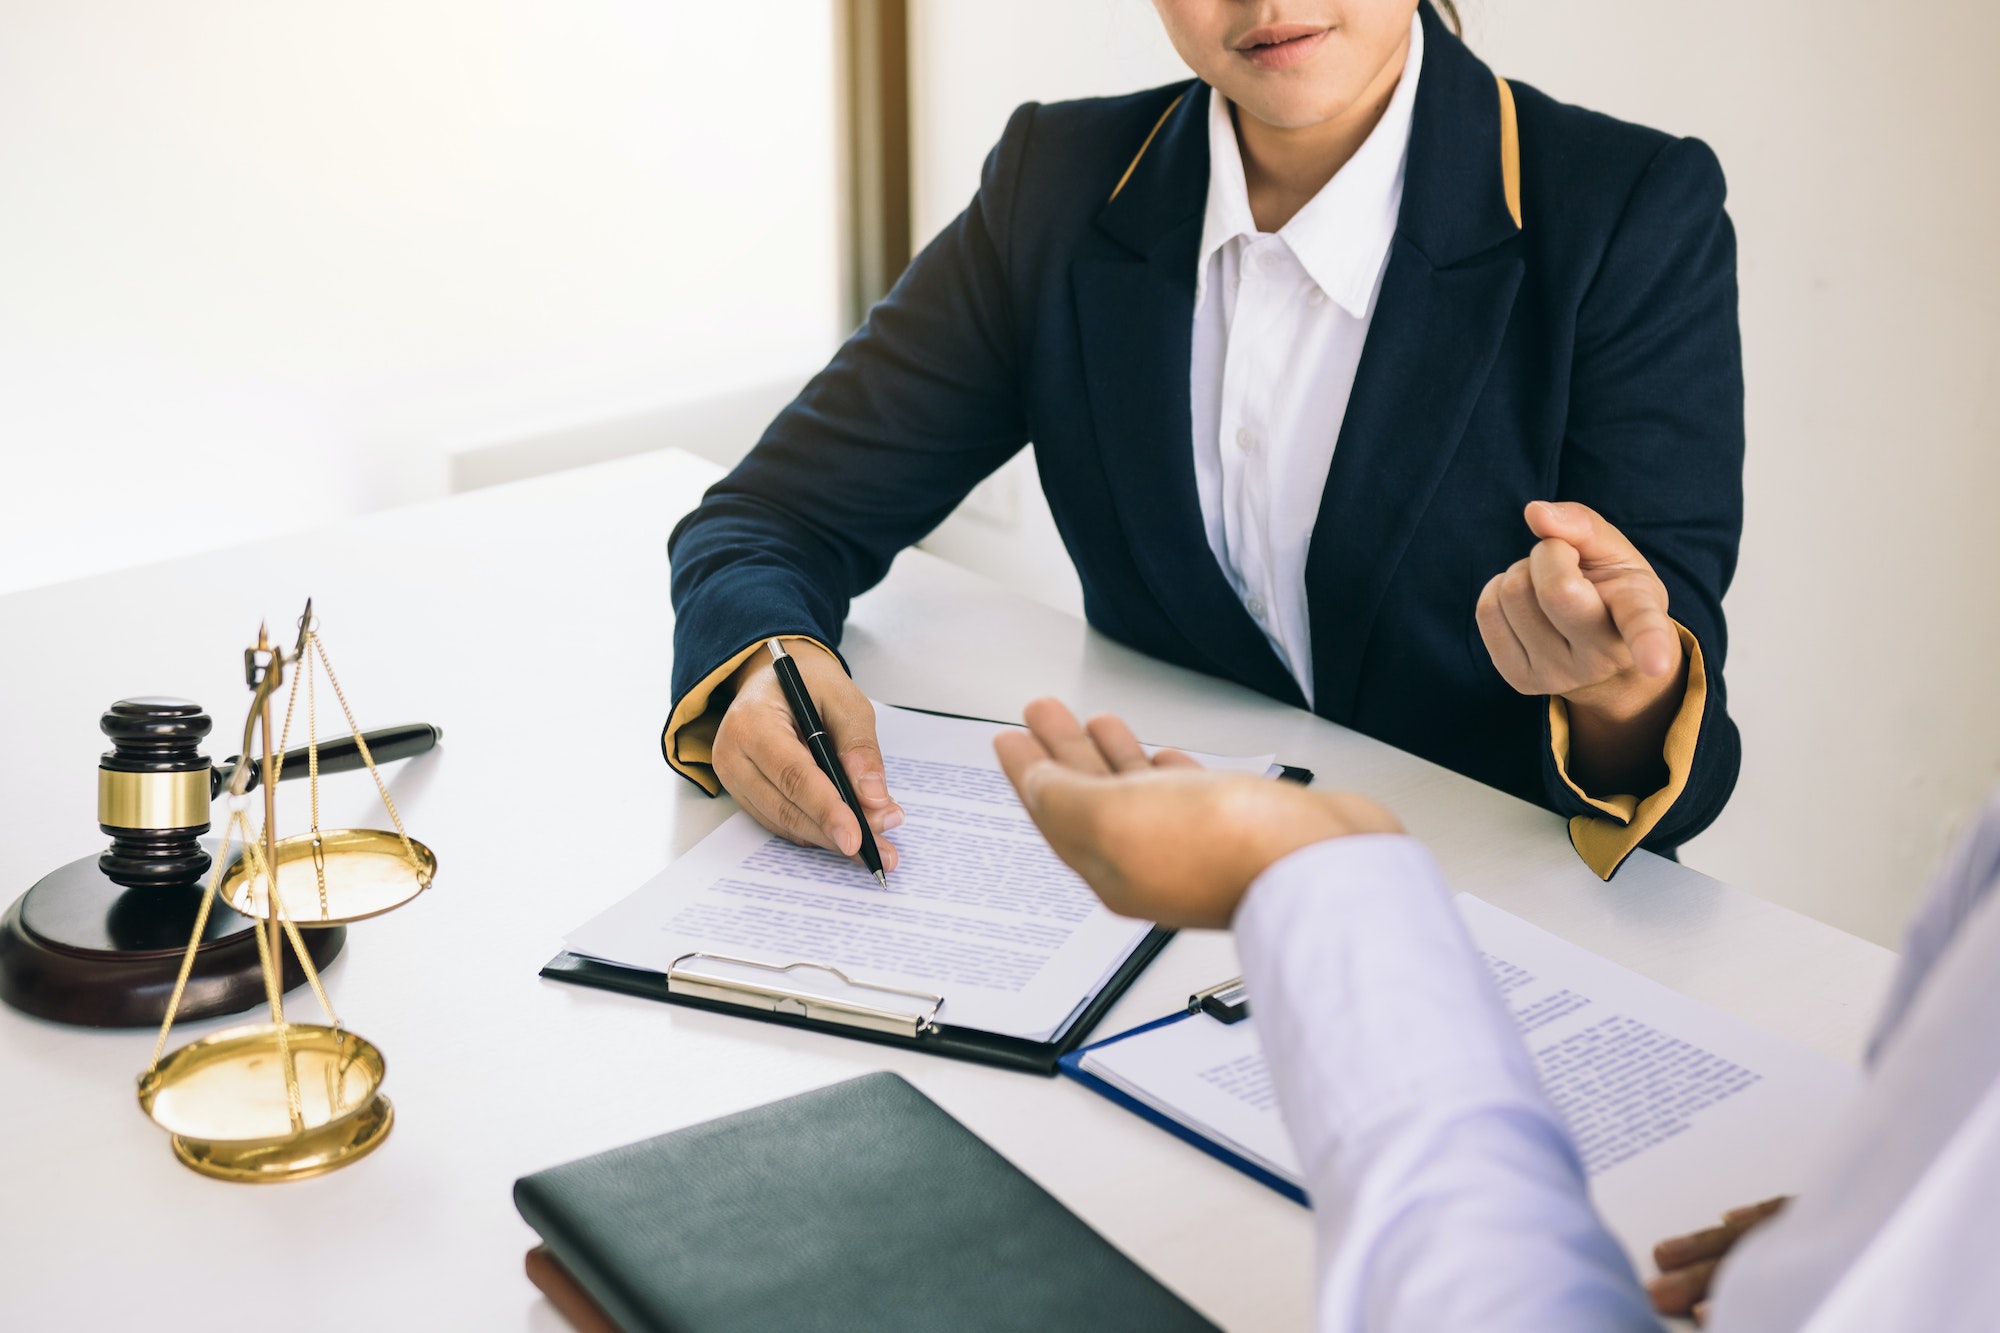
1159 837
762 762
1585 617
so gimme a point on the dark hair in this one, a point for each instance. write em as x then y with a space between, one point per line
1450 12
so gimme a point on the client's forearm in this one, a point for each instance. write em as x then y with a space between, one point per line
1445 1192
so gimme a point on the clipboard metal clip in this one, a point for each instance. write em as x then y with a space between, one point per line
776 998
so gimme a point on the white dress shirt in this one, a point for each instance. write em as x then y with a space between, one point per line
1279 322
1446 1191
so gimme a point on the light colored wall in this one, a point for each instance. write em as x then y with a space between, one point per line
1863 183
971 65
263 265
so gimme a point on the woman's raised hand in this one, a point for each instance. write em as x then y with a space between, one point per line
1585 617
761 760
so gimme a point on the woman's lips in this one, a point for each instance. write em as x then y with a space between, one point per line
1281 45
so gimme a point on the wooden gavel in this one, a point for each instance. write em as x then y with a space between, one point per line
154 788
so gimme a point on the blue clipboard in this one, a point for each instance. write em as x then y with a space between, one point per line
1071 1066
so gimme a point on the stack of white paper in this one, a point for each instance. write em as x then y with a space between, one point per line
978 911
1678 1111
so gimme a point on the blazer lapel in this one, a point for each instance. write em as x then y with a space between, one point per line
1135 312
1443 310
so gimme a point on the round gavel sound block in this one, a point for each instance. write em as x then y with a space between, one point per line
100 940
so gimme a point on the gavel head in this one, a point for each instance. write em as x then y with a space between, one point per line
153 792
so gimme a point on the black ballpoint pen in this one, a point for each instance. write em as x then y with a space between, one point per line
821 745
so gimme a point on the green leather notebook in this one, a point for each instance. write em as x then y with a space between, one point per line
858 1206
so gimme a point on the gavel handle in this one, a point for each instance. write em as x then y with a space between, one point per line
337 756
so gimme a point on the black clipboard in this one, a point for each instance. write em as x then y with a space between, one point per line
990 1048
936 1038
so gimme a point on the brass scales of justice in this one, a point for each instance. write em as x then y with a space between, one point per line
284 1100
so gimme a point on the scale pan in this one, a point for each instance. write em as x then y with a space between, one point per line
313 1153
356 874
229 1087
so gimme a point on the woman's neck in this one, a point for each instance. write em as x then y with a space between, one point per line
1283 168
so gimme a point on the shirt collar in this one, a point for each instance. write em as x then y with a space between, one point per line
1343 232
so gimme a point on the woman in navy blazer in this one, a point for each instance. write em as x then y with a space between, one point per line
1556 321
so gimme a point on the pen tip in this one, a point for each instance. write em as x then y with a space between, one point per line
882 879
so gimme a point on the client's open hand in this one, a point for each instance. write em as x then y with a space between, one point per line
1687 1263
1163 838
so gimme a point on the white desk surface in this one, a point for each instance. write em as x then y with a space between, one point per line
531 622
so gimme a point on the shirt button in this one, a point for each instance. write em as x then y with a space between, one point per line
1269 260
1256 607
1315 297
1246 440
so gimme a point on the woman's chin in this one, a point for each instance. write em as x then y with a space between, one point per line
1295 108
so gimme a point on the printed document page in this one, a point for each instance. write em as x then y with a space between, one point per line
1678 1110
1209 1076
978 910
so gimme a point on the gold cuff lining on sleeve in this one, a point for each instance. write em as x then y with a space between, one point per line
1605 841
688 742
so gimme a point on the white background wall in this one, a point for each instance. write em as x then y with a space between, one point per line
265 264
1858 140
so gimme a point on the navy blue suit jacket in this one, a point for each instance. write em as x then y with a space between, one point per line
1590 354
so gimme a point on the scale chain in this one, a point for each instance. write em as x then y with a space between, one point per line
274 989
200 924
361 742
276 903
312 973
312 771
271 956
